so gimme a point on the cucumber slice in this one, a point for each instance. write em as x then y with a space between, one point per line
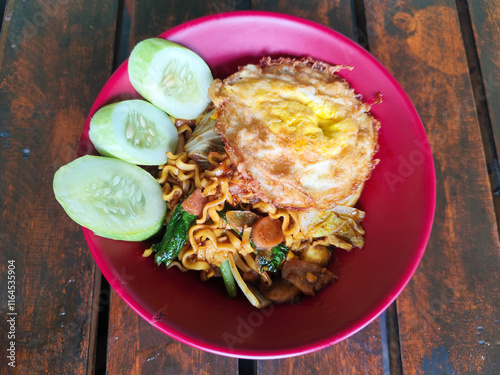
171 77
135 131
111 197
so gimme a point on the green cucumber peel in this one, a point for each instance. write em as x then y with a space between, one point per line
170 76
113 198
229 281
134 131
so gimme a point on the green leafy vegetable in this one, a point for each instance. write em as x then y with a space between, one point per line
204 140
175 236
227 276
223 213
272 262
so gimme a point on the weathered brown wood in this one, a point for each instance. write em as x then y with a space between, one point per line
338 14
359 354
135 347
485 16
151 17
480 27
448 314
54 59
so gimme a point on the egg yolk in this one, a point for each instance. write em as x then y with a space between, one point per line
308 118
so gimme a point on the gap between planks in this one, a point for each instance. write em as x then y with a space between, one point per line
3 5
482 111
101 323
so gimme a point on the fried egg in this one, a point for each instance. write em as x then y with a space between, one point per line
297 132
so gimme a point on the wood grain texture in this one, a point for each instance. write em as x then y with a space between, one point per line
151 17
448 314
136 347
485 17
338 14
54 59
358 354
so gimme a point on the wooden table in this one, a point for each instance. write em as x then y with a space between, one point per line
56 55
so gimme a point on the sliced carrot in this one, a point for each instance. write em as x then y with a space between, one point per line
267 233
195 202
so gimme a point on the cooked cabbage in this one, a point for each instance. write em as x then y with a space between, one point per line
340 227
204 140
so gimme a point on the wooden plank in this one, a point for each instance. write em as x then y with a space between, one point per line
54 60
338 14
139 346
151 17
448 314
136 347
361 353
485 17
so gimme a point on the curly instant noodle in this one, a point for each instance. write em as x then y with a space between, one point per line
267 178
212 240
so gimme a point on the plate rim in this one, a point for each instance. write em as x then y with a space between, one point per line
350 330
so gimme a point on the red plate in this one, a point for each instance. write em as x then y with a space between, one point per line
399 201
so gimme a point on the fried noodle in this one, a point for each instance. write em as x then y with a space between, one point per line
211 239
